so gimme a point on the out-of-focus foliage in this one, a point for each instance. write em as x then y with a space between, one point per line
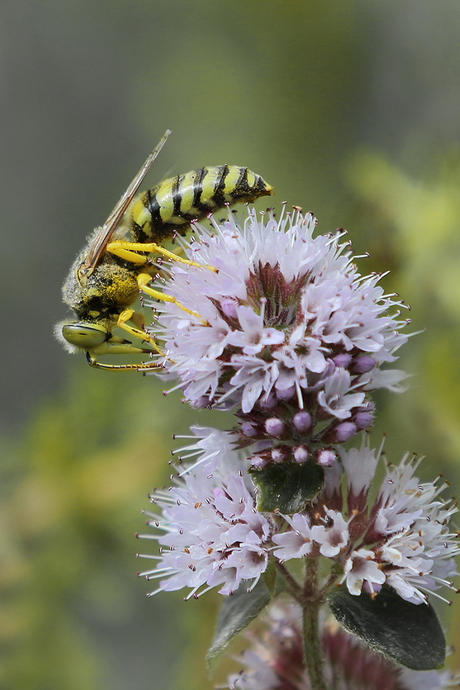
413 224
293 90
71 500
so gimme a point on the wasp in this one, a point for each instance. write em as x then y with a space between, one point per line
116 265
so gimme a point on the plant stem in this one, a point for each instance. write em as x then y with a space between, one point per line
311 633
294 588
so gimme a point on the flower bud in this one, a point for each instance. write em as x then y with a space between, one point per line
302 421
278 454
258 462
228 306
274 426
248 429
342 360
301 454
325 457
268 402
344 431
363 420
285 394
363 364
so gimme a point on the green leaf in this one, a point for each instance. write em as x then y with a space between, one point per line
235 614
410 634
287 487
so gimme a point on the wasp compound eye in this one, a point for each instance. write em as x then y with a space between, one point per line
84 335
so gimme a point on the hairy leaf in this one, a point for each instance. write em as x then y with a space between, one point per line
235 614
410 634
287 487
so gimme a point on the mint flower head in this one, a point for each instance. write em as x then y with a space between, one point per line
288 325
286 333
212 535
209 531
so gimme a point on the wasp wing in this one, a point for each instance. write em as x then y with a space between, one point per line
105 232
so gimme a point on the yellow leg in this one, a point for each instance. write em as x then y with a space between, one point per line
127 251
144 278
125 316
144 366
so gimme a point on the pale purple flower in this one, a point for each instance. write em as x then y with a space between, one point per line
408 533
359 465
212 535
404 538
296 542
336 397
286 317
209 530
386 378
332 538
212 447
360 569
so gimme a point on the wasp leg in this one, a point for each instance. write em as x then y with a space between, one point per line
127 315
144 366
144 278
127 251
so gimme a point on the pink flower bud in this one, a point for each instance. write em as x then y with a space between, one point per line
277 455
301 454
228 306
343 360
344 431
325 457
302 421
258 462
274 426
363 420
363 364
248 429
286 394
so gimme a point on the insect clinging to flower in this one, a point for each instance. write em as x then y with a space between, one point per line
116 263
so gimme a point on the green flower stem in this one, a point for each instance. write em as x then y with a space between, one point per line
292 585
311 632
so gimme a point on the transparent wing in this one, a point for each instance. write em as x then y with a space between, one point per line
105 232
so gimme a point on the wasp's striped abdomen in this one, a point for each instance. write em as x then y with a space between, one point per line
169 207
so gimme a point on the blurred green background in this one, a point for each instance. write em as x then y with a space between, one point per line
351 110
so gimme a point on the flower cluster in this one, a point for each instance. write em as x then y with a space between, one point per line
275 660
287 325
403 538
288 334
214 535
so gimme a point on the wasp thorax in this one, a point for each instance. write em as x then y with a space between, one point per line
114 285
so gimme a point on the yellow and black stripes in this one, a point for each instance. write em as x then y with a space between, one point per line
168 208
